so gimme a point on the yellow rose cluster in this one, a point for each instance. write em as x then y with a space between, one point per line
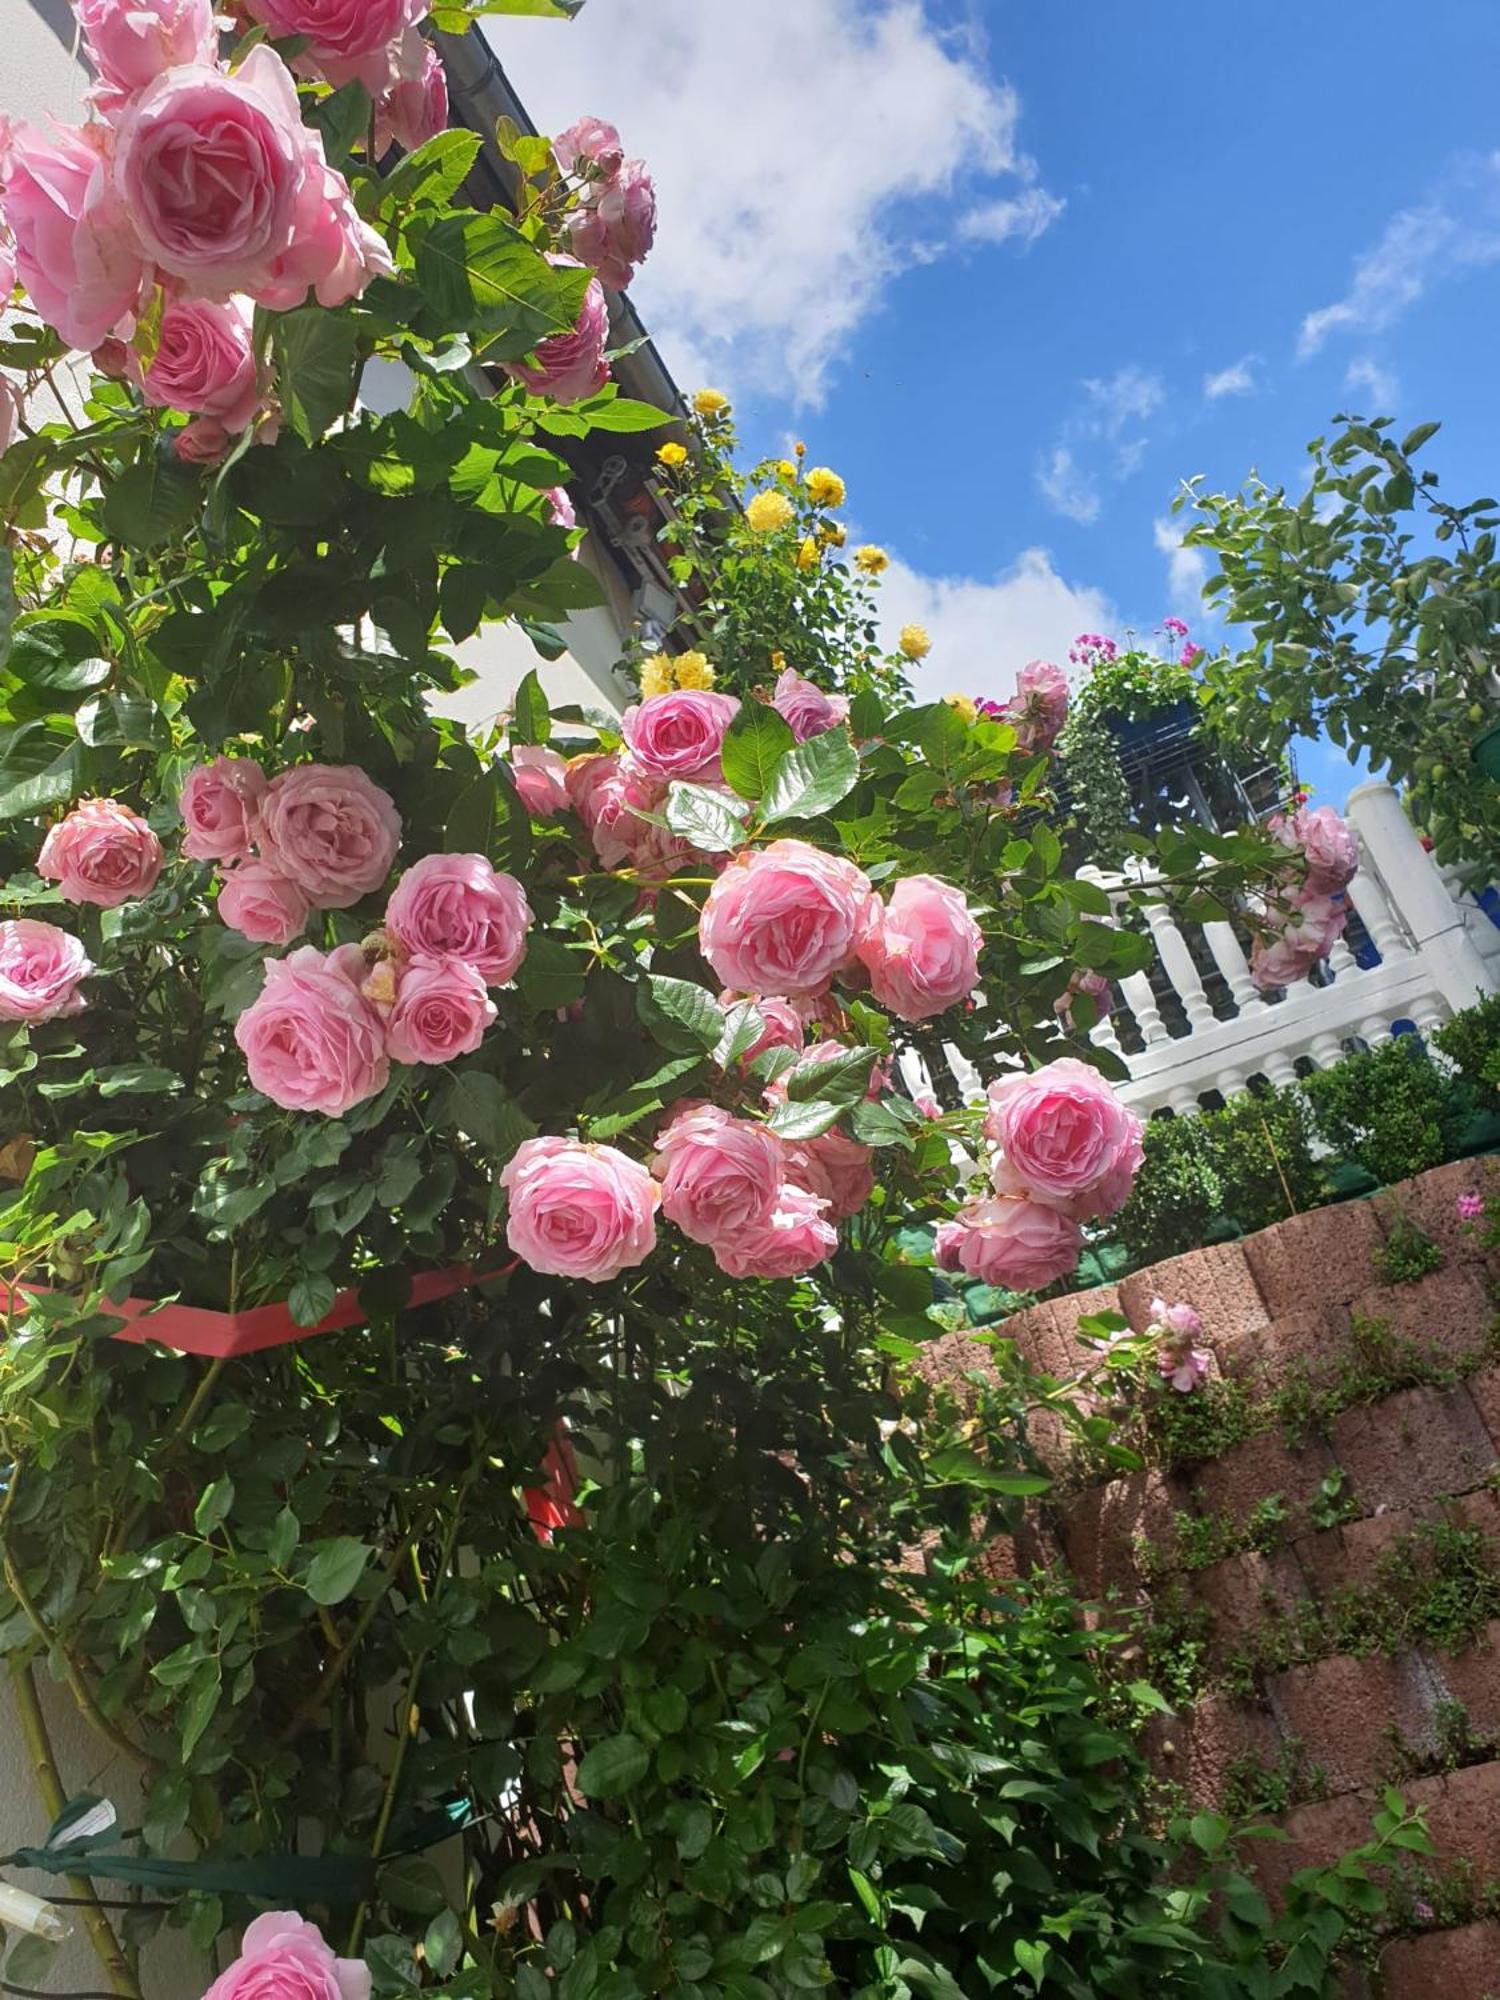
914 642
673 456
665 671
768 512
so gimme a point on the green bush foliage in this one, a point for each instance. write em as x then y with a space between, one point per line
1471 1040
1390 1109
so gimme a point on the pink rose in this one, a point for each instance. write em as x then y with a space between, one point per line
614 229
578 1211
838 1168
719 1175
283 1958
805 709
75 250
442 1010
1329 842
331 830
1039 707
221 809
785 919
1182 1366
262 905
561 513
347 40
1179 1319
679 736
541 777
102 853
40 971
606 797
1311 926
570 366
1084 985
796 1237
204 363
312 1041
922 954
1017 1244
130 42
10 412
947 1245
415 108
457 905
202 442
590 147
1065 1138
783 1027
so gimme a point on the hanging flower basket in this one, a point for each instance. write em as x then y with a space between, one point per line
1486 752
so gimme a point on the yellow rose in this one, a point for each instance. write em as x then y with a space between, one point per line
871 560
834 533
786 468
672 455
965 705
914 642
778 661
656 676
807 555
767 512
710 403
825 487
693 671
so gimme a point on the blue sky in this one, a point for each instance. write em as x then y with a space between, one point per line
1017 270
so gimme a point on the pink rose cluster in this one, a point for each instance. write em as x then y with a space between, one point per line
1182 1364
804 708
284 1958
614 225
1066 1151
1306 921
569 366
196 178
669 738
1039 707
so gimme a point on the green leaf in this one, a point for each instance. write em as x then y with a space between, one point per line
705 818
201 1706
152 502
864 1888
336 1569
434 173
613 1766
133 1078
804 1121
551 975
315 351
443 1945
478 272
7 601
479 1105
621 413
311 1298
840 1079
531 719
213 1505
343 118
39 767
1414 440
680 1014
754 744
812 778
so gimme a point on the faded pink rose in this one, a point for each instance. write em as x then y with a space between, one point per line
783 1027
561 513
1310 927
1329 842
785 919
202 442
204 363
458 905
805 709
614 229
1182 1366
130 42
569 366
922 954
1180 1319
541 777
262 905
441 1010
607 799
838 1168
10 412
415 107
40 971
1017 1244
1065 1138
589 147
102 853
347 40
719 1175
1039 707
796 1237
75 250
331 830
312 1042
679 735
578 1211
947 1245
221 809
283 1958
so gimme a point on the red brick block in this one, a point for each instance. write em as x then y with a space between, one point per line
1447 1313
1324 1258
1345 1714
1312 1342
1414 1447
1431 1201
1047 1335
1484 1388
1251 1472
1336 1557
1215 1280
1243 1591
1099 1528
947 1362
1463 1817
1199 1748
1316 1836
1456 1965
1473 1678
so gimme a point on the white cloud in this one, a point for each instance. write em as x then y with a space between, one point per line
1066 489
983 633
1027 216
1238 379
1129 395
1099 438
804 151
1187 569
1365 376
1455 229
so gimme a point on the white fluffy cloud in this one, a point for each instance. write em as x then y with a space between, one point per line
805 152
1024 216
1365 377
1103 438
1187 568
1238 379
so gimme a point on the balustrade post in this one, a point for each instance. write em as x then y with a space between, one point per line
1421 896
1172 947
1232 962
1142 1003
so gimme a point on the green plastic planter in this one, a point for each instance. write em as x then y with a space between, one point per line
1486 752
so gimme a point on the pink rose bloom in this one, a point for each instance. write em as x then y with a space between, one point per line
1090 985
838 1168
40 971
785 919
204 363
795 1239
541 777
102 853
1182 1366
130 42
922 954
457 905
590 147
719 1175
202 442
10 412
1065 1138
348 40
570 366
605 797
947 1245
312 1042
415 108
441 1011
283 1958
579 1211
221 809
805 709
1017 1244
614 229
75 250
561 513
331 830
1311 928
783 1027
1469 1207
679 735
1329 842
1178 1319
1039 707
262 905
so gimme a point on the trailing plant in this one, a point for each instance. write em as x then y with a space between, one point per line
1408 1252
